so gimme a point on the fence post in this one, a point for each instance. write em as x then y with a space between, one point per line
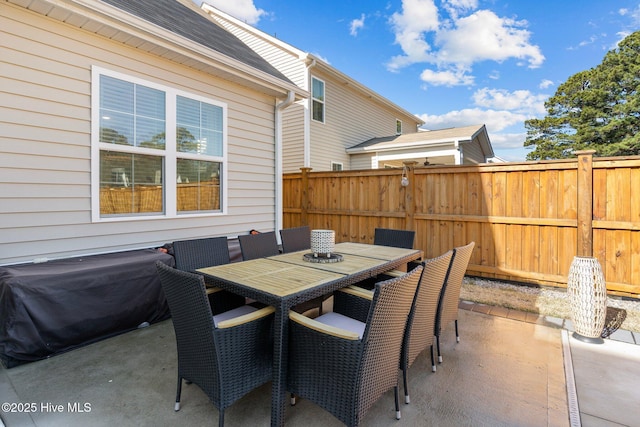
585 202
304 196
409 195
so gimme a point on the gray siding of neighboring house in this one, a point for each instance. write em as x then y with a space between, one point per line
45 148
361 161
284 60
287 61
472 153
350 118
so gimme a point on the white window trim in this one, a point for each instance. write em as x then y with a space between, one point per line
401 130
337 163
324 103
170 154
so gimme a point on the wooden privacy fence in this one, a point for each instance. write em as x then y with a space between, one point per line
528 219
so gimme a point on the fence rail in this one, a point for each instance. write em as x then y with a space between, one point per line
528 219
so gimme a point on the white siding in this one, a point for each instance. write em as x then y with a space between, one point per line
350 118
472 153
293 138
287 62
45 201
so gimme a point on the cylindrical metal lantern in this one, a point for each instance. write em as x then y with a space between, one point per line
322 242
587 292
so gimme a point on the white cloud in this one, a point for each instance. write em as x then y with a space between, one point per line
460 41
456 7
446 78
493 119
507 141
522 101
544 84
417 17
484 36
243 10
356 25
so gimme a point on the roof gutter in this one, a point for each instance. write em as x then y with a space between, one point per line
291 97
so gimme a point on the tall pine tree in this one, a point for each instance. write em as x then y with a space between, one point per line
596 109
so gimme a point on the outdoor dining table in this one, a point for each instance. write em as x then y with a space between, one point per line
286 280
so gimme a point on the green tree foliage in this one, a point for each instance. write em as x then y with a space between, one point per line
597 109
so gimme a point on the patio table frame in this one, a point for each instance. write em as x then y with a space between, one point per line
286 280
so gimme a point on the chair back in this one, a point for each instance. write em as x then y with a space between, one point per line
395 238
193 325
450 294
295 239
383 334
258 245
421 322
199 253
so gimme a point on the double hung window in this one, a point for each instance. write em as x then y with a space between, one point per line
317 99
156 150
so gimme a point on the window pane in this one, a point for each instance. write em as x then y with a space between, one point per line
130 183
200 127
188 112
150 133
131 114
116 128
198 185
211 142
116 95
318 111
318 90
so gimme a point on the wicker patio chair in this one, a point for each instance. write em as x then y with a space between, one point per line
295 239
344 365
392 237
397 239
450 294
418 334
226 356
299 239
258 245
199 253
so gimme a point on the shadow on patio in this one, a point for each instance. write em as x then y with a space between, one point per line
503 372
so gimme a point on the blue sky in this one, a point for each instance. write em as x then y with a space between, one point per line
453 62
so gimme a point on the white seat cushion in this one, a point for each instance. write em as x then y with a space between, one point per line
236 312
343 322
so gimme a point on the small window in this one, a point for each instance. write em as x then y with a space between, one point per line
398 127
335 166
317 100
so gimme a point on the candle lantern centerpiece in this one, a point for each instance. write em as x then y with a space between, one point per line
322 243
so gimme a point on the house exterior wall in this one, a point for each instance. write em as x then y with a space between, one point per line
45 144
350 118
472 153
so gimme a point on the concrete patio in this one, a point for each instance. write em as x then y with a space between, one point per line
510 369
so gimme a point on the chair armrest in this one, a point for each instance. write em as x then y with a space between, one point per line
322 328
358 292
246 318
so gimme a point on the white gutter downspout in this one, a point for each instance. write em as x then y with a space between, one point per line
278 157
458 156
307 119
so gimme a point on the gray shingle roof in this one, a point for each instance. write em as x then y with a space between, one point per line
179 19
465 133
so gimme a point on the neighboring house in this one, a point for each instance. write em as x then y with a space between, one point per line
340 113
129 124
454 146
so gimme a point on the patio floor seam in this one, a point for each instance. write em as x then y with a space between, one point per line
622 335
